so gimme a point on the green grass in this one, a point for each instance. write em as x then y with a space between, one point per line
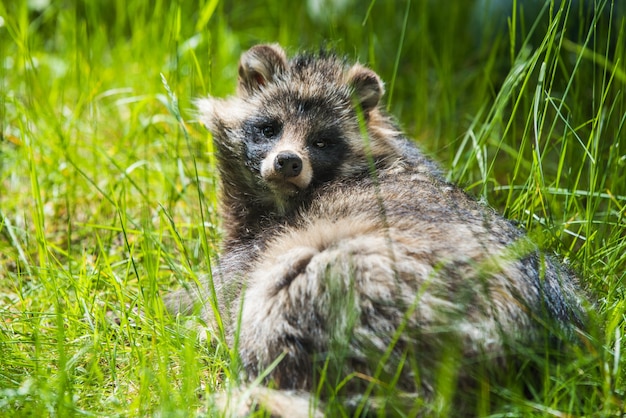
108 188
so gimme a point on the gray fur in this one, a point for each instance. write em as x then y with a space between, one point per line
373 257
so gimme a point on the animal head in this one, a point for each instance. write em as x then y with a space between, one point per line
295 125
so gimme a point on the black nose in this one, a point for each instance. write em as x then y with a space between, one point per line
288 164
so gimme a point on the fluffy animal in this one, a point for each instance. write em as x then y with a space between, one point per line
349 266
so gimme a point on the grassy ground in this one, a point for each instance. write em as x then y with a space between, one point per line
107 184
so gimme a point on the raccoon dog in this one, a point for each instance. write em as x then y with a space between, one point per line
347 260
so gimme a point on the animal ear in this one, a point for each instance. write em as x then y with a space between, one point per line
368 87
259 65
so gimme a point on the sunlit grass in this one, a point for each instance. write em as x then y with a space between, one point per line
108 188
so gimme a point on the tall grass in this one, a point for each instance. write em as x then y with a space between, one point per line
108 188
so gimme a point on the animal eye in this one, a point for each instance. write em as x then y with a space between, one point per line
268 131
325 138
